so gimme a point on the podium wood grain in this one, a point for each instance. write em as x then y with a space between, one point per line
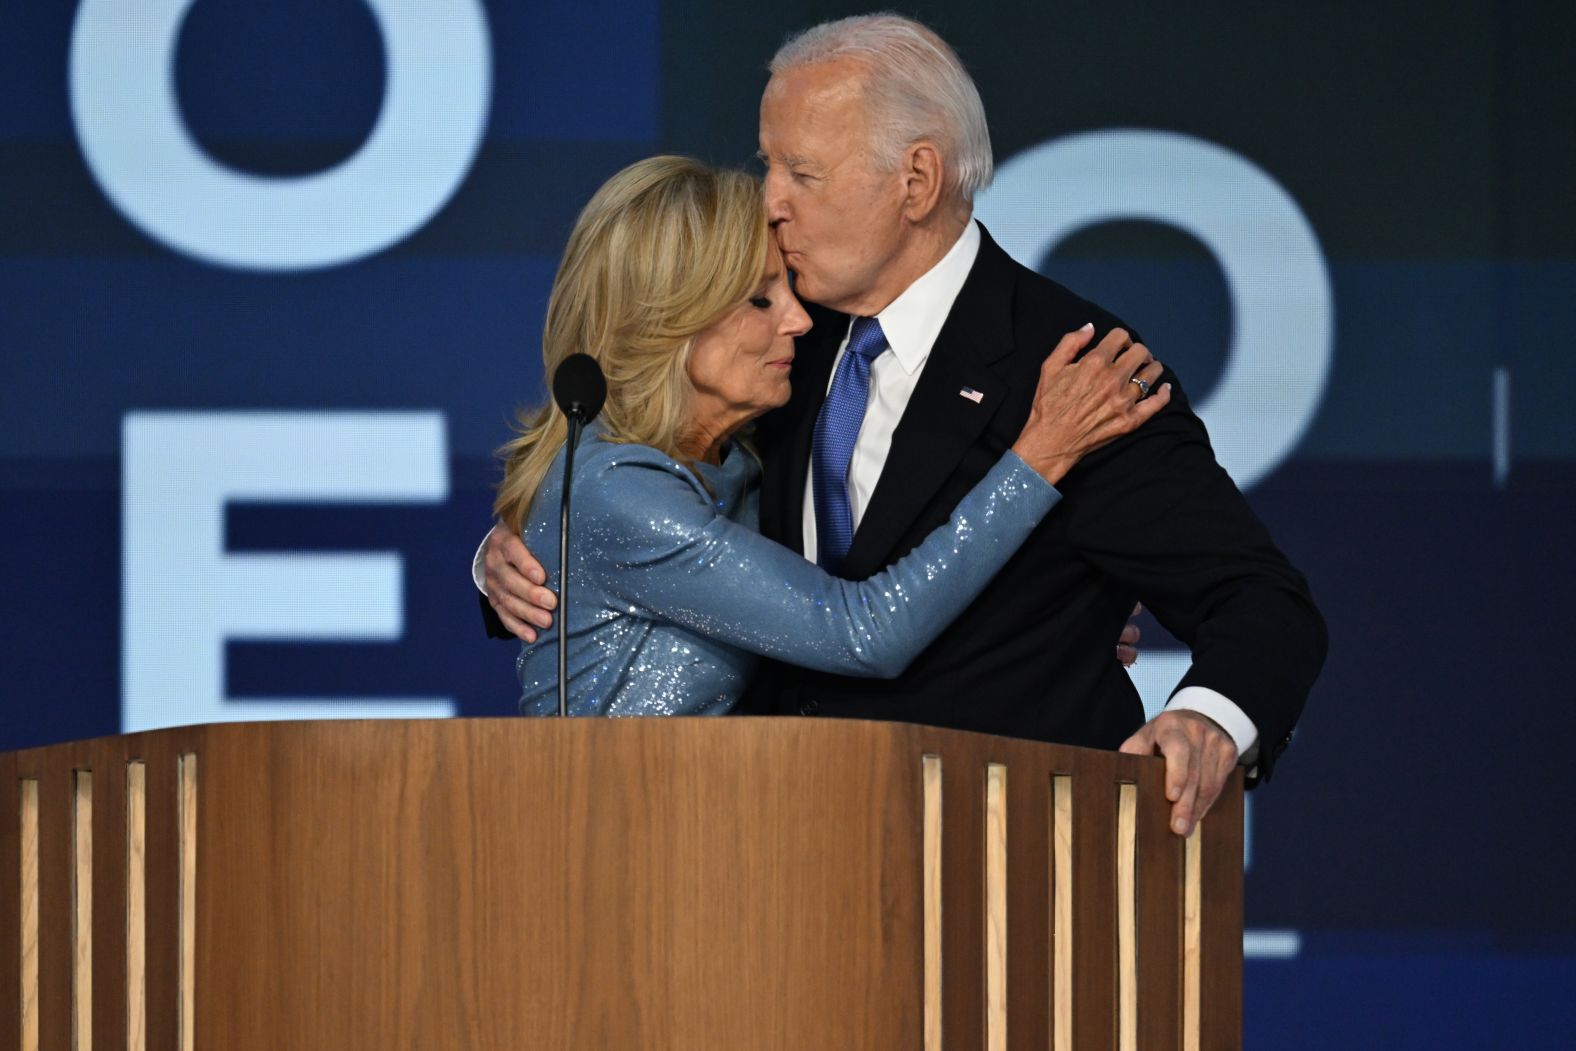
513 883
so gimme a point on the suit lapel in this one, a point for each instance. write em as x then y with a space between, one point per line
972 352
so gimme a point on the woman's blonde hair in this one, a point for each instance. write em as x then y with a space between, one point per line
666 247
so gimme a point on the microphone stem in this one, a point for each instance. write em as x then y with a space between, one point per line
563 569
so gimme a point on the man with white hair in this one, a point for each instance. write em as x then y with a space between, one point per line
874 141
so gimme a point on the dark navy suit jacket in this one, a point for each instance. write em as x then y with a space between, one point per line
1150 517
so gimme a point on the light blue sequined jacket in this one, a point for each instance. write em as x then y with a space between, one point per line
674 595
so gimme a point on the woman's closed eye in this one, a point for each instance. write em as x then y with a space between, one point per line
760 302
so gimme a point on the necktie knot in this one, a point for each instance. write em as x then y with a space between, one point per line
866 338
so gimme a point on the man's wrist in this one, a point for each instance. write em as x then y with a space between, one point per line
1223 713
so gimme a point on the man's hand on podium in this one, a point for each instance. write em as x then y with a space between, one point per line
1199 757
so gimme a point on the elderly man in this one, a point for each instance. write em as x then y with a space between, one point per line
875 142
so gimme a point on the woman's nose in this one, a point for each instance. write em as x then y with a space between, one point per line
795 321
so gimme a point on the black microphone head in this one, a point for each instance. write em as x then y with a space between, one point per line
579 388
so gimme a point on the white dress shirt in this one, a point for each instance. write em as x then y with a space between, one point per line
911 323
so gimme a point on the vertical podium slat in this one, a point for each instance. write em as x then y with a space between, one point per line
1126 865
135 1004
996 918
82 910
1192 941
186 1015
1063 834
931 847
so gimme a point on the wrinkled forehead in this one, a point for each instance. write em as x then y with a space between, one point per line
819 100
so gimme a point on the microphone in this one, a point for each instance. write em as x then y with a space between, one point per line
579 389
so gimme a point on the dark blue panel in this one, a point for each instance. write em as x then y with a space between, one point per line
295 71
1428 755
33 49
87 341
1376 994
571 70
59 633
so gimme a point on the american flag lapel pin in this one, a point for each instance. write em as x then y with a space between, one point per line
971 394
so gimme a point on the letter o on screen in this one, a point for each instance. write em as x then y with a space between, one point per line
430 125
1279 359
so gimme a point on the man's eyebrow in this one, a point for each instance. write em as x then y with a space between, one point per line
788 160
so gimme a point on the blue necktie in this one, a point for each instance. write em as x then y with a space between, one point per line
836 430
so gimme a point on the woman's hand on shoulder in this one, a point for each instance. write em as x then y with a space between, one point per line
1082 404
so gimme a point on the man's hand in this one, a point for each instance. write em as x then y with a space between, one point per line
1199 757
515 588
1127 642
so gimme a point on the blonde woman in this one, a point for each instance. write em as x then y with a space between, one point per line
671 281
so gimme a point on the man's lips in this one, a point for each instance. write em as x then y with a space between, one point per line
781 363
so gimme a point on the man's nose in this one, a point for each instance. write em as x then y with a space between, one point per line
776 205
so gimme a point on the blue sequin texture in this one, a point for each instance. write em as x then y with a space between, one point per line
674 596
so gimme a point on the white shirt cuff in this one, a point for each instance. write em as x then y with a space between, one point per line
1207 702
479 565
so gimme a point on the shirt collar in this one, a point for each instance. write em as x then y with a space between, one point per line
913 320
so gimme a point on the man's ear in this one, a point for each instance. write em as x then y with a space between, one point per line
923 172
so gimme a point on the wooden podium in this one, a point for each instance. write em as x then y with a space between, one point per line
609 884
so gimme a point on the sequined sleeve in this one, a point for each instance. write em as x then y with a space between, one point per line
668 553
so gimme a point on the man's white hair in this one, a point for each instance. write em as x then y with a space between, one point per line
915 89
